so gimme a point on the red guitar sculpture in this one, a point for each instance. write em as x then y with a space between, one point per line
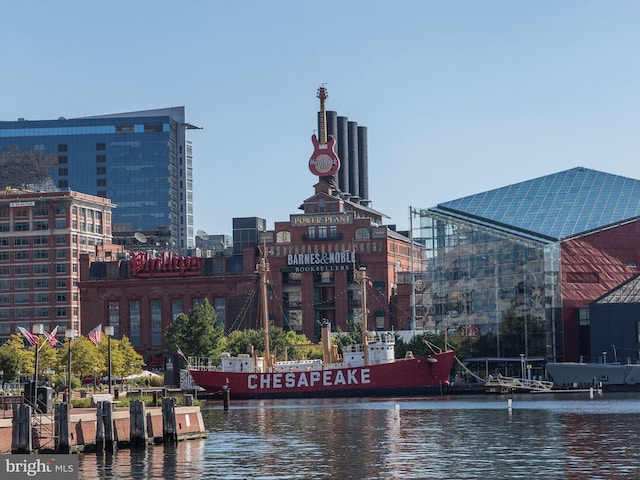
324 161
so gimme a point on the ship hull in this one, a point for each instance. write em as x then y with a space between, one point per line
609 376
406 377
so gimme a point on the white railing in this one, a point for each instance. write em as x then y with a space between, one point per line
517 383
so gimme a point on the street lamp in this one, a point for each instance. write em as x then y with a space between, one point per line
522 366
108 331
37 330
70 334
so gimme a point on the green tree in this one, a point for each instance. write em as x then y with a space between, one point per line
10 362
196 333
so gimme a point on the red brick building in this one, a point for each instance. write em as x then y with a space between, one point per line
312 260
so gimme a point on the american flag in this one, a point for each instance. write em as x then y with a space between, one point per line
32 338
51 337
95 335
181 353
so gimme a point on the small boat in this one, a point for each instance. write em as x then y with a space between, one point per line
363 370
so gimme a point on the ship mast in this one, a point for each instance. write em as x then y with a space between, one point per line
361 275
261 269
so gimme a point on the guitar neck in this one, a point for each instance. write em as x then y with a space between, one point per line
322 134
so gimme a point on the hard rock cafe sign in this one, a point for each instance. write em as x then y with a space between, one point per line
166 265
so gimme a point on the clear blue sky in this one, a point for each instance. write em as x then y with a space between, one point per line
458 97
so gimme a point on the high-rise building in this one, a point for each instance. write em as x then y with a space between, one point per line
142 161
42 237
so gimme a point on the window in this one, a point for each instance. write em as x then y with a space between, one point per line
60 211
63 159
176 308
61 240
5 227
41 312
362 234
4 256
21 226
101 182
101 170
283 237
41 211
21 255
63 183
311 232
41 254
61 312
21 298
41 298
41 268
40 283
41 225
21 270
156 323
61 253
63 147
114 318
63 172
21 284
61 297
41 240
61 268
61 283
61 223
101 146
322 231
134 322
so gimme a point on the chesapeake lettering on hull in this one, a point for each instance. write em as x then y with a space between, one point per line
325 219
321 262
315 378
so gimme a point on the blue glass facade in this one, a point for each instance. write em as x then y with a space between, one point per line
495 265
139 160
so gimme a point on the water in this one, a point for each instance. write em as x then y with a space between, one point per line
542 436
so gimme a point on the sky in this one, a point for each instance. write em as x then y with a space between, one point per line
458 97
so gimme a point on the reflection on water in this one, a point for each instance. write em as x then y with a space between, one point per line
542 436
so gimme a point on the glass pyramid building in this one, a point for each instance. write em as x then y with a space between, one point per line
513 266
555 206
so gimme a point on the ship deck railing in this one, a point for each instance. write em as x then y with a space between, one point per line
501 383
199 363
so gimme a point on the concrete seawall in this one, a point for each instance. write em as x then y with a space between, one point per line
188 424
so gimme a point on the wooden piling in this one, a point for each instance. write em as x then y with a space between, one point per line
104 427
21 435
62 421
226 397
169 431
138 427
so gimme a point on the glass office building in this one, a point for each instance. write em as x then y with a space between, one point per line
511 266
140 160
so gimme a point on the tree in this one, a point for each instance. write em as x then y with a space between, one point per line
196 333
9 362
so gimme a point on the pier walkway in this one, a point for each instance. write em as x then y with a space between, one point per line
502 384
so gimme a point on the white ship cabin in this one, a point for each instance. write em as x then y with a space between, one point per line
242 363
381 347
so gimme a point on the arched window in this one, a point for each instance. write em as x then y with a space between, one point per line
362 233
283 237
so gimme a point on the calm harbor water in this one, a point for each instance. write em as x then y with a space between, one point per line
569 436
